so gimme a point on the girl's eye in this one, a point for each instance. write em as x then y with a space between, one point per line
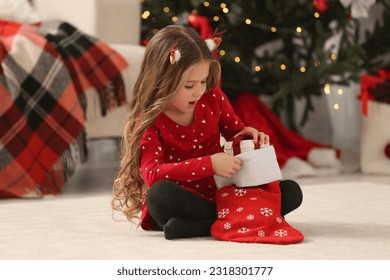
190 86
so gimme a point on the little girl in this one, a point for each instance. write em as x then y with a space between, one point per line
171 143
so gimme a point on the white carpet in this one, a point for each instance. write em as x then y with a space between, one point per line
339 220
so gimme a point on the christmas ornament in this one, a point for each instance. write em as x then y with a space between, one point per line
200 23
320 5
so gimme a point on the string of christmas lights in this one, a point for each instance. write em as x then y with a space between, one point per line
303 64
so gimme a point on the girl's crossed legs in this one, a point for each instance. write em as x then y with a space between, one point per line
182 214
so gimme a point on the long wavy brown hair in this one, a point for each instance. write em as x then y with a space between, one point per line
158 82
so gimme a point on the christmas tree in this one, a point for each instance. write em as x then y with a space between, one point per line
286 50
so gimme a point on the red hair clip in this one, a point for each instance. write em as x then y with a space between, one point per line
215 39
174 55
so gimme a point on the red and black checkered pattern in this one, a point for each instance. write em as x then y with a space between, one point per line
45 72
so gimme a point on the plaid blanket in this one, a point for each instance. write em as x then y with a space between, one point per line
45 72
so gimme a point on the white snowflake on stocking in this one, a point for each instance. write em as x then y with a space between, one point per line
261 233
223 213
243 230
279 220
239 192
227 226
266 212
225 194
250 217
253 198
281 233
239 209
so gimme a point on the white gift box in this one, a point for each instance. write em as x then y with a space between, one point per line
375 138
259 166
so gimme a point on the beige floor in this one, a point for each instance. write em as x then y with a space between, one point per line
343 217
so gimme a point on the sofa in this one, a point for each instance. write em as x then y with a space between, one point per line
117 23
67 70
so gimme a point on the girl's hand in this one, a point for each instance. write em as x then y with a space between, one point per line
225 165
258 137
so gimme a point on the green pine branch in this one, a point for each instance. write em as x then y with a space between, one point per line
272 40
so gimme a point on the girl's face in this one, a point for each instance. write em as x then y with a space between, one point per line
194 87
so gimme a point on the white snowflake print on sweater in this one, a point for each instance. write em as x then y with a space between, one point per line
182 153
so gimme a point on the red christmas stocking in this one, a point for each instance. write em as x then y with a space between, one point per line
253 112
252 215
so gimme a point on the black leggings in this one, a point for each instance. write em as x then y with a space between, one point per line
182 214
